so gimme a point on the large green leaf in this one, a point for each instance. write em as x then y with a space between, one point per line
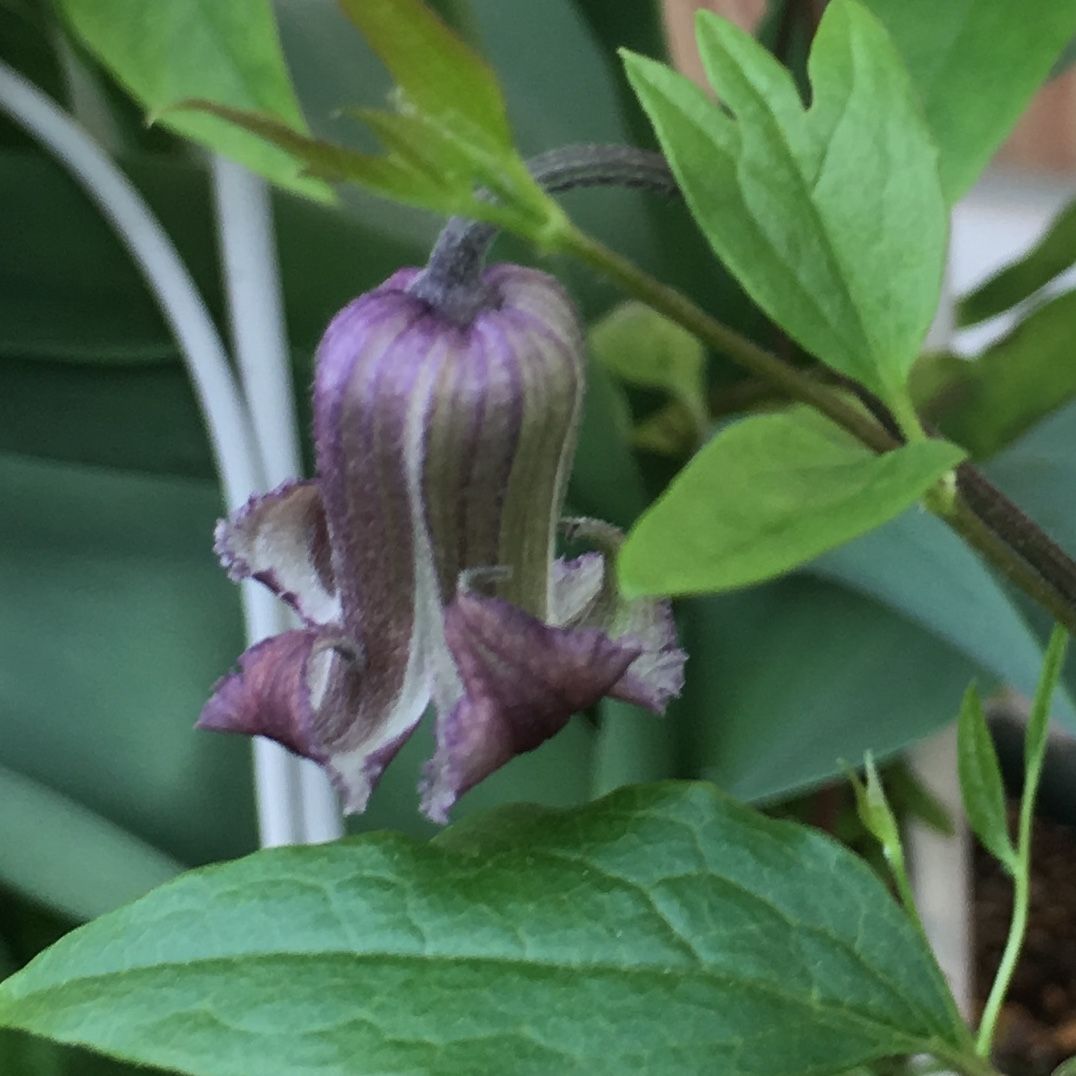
976 64
661 929
86 301
788 679
176 49
55 851
810 210
1037 472
920 568
767 494
115 622
988 402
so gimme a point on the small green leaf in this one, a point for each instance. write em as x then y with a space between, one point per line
1053 254
452 109
645 349
662 929
1067 1068
976 66
1038 721
174 49
987 402
874 810
766 495
980 782
448 189
440 74
832 218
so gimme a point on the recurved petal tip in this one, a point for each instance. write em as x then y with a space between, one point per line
267 695
522 682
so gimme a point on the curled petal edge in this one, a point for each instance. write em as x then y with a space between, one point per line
281 539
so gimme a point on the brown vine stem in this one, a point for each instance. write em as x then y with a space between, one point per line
981 514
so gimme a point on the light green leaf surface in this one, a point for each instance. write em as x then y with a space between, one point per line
439 73
788 678
452 110
812 211
987 402
643 348
390 176
975 64
55 851
980 781
661 929
767 494
229 52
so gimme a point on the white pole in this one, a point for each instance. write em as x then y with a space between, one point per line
238 462
941 865
260 344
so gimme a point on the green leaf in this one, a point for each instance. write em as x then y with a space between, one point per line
987 402
173 50
812 210
388 176
452 112
790 677
1038 721
767 494
437 71
115 622
661 929
1066 1069
102 868
980 782
1050 257
632 747
874 811
645 349
917 566
976 66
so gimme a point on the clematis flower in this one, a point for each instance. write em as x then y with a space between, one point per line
422 557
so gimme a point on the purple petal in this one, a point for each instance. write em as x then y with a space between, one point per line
281 539
268 695
657 674
302 689
522 682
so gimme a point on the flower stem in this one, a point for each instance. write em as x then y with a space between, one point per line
676 306
1010 542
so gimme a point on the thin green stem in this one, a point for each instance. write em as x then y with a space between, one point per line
966 1064
679 308
1035 756
948 503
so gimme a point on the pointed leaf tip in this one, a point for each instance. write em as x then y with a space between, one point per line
980 781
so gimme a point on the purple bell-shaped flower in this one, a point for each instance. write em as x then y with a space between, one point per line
422 557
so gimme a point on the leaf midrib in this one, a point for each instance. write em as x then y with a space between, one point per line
888 1035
